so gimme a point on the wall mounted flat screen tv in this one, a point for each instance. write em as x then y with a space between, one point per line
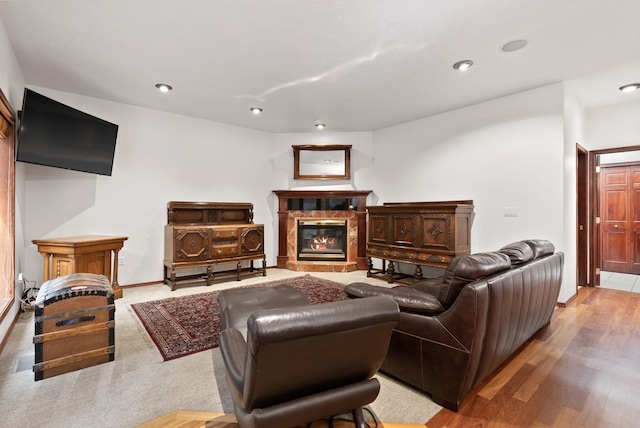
54 134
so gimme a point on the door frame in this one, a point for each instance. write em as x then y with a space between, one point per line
7 268
582 217
595 255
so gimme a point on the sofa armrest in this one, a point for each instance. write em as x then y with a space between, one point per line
407 298
440 354
233 348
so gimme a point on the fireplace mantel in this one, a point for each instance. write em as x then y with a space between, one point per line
358 212
324 194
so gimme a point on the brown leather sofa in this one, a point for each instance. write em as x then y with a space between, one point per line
456 330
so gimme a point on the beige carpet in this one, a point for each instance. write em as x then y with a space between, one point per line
139 386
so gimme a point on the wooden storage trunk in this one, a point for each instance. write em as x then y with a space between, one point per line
74 324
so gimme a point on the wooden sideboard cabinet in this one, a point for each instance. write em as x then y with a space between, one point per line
96 254
417 233
201 235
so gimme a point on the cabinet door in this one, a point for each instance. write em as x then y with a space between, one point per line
437 232
63 265
98 263
403 229
252 239
191 244
378 228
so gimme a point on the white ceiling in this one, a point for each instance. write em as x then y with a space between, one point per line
358 65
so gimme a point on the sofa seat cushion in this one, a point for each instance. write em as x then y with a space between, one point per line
429 285
407 298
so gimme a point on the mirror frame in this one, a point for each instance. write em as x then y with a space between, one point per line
298 149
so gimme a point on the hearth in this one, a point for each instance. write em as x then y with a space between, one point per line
322 240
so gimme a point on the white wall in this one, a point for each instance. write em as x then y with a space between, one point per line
162 157
619 157
360 160
503 153
361 171
516 151
611 126
574 117
12 84
159 157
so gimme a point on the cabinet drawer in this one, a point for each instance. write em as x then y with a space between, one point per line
224 250
222 234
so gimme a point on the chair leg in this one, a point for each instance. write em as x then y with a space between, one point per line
358 418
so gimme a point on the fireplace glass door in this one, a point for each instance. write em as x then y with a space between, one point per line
322 240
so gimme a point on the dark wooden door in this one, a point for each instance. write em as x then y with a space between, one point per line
620 218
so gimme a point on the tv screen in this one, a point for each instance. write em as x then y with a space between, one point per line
54 134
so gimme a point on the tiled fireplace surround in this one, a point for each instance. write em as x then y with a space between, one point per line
356 230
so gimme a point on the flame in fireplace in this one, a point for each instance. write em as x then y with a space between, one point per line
322 242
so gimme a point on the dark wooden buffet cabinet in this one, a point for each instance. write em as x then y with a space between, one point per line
205 234
417 233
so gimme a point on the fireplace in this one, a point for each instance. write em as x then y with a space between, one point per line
322 240
333 251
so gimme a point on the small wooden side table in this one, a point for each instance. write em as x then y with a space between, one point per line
87 253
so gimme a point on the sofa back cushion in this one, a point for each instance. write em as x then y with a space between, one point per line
519 252
465 269
540 247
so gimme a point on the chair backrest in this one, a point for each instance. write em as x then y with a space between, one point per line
298 351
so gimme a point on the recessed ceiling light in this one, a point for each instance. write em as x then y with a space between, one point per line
256 110
318 124
513 45
630 87
163 87
463 65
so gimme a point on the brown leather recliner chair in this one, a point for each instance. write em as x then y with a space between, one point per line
303 363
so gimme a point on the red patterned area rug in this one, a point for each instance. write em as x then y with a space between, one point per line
182 326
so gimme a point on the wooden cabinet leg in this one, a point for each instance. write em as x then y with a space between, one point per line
238 271
117 291
264 266
173 278
390 272
418 273
209 275
47 264
369 266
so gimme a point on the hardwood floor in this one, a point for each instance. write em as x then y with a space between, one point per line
188 419
582 371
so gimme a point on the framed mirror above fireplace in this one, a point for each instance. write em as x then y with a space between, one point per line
322 162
